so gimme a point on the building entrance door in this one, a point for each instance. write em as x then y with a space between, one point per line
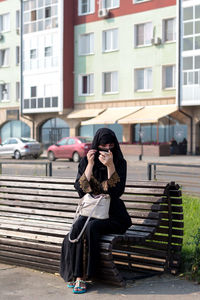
55 134
52 131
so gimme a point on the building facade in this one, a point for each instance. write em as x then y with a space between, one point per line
125 63
10 122
88 64
190 66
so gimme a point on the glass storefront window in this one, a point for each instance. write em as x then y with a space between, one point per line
148 133
14 129
90 130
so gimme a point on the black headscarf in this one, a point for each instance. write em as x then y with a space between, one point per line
105 136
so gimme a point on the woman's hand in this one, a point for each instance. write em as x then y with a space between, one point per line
106 158
90 156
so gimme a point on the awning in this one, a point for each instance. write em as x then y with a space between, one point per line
84 113
112 115
149 114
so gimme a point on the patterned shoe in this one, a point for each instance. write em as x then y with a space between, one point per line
80 287
71 284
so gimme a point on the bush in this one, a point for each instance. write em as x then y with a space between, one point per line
191 240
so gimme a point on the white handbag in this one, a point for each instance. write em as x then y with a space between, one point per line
91 207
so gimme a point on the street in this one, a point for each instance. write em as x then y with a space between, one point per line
188 177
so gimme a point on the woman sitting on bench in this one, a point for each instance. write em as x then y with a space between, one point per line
103 170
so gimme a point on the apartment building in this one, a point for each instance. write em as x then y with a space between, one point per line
125 66
190 67
48 60
10 123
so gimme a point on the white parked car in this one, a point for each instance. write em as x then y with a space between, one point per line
20 147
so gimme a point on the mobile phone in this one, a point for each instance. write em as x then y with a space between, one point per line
104 150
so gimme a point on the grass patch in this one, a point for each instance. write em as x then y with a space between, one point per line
191 238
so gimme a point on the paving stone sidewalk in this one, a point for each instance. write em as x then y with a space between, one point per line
19 283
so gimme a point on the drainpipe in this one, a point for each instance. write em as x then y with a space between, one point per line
179 93
22 67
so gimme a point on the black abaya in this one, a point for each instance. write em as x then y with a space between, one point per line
72 253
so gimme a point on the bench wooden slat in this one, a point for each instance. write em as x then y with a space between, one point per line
37 223
37 185
49 206
140 198
32 252
149 191
36 211
38 196
37 179
30 245
32 237
40 230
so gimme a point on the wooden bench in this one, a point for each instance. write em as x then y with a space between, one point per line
37 212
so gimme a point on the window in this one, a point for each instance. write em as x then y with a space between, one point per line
143 79
169 77
169 30
110 40
110 82
191 22
33 91
191 70
4 22
17 19
108 4
40 15
4 57
47 12
71 141
86 44
33 53
17 55
86 7
17 91
33 15
48 51
4 91
143 34
86 84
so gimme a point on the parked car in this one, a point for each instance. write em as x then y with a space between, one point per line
20 147
72 148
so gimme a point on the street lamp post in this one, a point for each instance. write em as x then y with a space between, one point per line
141 133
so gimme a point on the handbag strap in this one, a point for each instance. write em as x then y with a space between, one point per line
76 217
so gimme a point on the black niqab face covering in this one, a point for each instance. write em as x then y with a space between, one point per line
105 136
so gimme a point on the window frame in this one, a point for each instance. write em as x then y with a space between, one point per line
146 42
103 4
112 91
104 33
145 79
4 28
164 67
17 55
91 44
18 90
90 84
164 33
4 58
2 96
91 4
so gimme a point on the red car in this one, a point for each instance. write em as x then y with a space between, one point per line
70 147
